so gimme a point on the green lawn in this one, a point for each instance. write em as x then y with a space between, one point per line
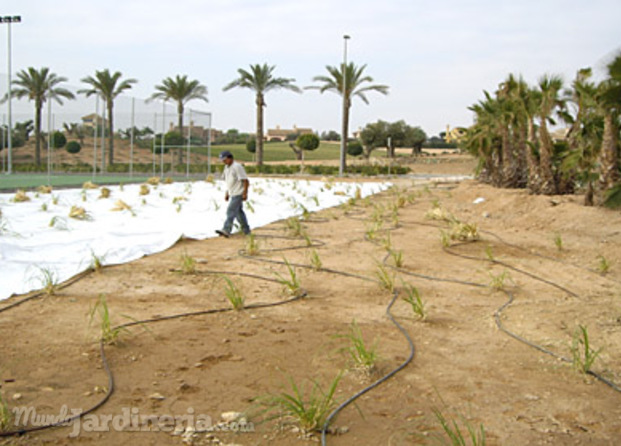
276 151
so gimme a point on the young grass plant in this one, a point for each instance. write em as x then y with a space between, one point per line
364 358
188 263
603 265
48 281
412 297
386 279
252 245
292 283
454 434
558 241
233 294
315 260
6 416
307 408
583 355
397 257
108 333
96 262
498 282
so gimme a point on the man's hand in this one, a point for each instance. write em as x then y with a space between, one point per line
244 196
226 196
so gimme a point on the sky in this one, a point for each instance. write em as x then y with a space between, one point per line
436 57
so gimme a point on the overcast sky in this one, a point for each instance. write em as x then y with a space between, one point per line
437 57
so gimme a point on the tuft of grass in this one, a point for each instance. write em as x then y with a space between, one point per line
144 189
96 262
315 260
79 213
603 265
6 416
386 279
108 333
252 245
453 431
307 408
188 263
294 226
412 297
58 223
498 282
89 185
20 196
364 358
583 355
234 294
48 281
489 253
558 241
291 283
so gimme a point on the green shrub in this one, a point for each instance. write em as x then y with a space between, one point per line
59 140
73 147
354 148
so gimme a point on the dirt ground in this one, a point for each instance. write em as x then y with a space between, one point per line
558 260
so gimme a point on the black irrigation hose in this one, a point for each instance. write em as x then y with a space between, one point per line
336 411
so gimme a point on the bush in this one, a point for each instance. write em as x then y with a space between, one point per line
251 145
73 147
354 148
308 141
59 140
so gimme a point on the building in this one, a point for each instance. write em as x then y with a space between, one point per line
196 131
279 134
91 121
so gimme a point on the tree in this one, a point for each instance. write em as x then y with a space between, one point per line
260 79
550 88
330 135
377 135
307 142
39 86
181 91
355 83
59 140
108 87
77 130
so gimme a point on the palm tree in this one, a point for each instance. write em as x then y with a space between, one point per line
181 91
108 87
354 86
260 79
550 87
39 86
609 100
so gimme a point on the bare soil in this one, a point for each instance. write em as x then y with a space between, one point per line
464 365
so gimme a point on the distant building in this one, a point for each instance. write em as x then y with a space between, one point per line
91 121
279 134
196 131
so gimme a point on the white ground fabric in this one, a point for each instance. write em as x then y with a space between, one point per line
39 239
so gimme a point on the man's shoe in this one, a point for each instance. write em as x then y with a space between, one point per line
222 233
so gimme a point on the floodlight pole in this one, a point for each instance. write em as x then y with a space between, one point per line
343 127
8 20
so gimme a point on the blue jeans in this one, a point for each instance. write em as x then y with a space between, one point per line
236 211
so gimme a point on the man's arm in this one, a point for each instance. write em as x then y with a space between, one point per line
246 183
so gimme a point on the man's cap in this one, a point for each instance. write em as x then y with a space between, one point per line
225 154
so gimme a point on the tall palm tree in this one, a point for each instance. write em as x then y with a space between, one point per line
550 87
39 86
181 91
260 79
108 87
355 85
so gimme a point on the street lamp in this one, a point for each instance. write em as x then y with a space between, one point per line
8 20
344 123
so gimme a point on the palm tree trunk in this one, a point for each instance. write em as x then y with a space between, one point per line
548 186
531 161
38 107
344 130
608 159
509 169
180 123
111 136
259 150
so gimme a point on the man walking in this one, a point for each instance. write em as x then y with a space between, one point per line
237 183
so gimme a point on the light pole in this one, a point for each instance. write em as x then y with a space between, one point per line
8 20
344 123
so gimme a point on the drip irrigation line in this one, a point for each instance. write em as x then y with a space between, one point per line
383 379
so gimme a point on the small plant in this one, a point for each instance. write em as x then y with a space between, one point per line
109 334
233 294
79 213
104 193
386 279
453 432
397 257
252 245
96 262
20 197
603 265
89 185
120 205
153 181
58 223
294 226
48 281
582 353
249 206
292 283
363 357
315 260
44 189
497 282
54 199
489 253
464 232
44 207
6 416
307 239
188 263
308 409
144 189
445 238
413 298
558 241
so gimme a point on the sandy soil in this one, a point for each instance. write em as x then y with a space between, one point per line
464 365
